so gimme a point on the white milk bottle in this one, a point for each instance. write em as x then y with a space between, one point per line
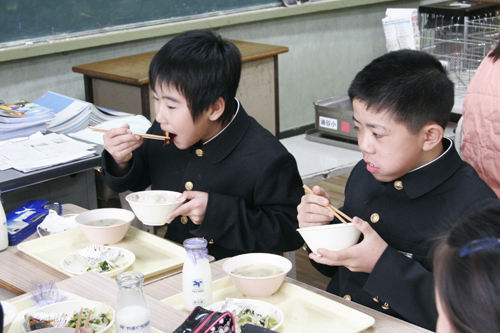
196 274
4 237
132 311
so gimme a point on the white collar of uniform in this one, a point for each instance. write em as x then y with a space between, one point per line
222 130
449 147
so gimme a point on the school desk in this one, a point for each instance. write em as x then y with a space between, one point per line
123 83
69 182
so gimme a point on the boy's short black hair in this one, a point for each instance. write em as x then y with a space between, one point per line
410 85
201 66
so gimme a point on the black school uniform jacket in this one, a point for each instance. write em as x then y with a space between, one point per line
252 181
408 214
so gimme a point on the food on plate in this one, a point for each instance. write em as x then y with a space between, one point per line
100 317
38 321
257 270
105 222
253 312
105 266
249 316
101 259
98 320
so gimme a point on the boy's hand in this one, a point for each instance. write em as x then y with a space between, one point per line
312 209
361 257
120 143
195 208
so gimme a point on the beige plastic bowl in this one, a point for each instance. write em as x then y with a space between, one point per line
333 237
257 287
107 235
152 207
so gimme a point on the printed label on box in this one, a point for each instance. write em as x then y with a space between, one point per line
330 123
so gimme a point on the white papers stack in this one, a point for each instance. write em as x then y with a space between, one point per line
41 151
401 29
73 115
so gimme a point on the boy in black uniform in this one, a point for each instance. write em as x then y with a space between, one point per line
410 187
241 184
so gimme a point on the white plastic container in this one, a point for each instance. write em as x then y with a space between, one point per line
196 274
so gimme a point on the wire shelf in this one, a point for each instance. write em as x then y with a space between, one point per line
461 47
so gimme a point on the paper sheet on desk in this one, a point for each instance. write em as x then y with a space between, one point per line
138 124
41 151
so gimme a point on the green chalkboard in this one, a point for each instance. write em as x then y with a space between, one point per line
22 20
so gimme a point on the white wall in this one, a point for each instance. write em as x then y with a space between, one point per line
326 50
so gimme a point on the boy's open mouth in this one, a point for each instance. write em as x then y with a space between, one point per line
169 138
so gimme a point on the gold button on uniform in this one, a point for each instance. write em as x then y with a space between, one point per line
376 299
385 306
184 220
398 185
211 241
347 297
374 218
199 152
189 186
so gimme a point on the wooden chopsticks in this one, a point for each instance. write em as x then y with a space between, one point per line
336 212
79 320
147 136
88 320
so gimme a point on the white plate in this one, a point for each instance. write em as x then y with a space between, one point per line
70 307
73 265
260 307
9 312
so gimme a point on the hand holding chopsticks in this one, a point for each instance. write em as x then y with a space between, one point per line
336 212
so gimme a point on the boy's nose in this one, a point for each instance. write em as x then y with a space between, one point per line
160 116
364 143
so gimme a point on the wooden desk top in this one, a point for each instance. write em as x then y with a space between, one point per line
172 285
134 69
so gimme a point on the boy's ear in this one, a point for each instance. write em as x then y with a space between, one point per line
217 109
433 136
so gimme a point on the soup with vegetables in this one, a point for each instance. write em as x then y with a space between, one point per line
257 270
105 222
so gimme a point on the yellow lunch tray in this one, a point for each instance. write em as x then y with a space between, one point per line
305 311
27 304
153 255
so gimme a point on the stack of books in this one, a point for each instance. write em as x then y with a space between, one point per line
73 115
21 118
